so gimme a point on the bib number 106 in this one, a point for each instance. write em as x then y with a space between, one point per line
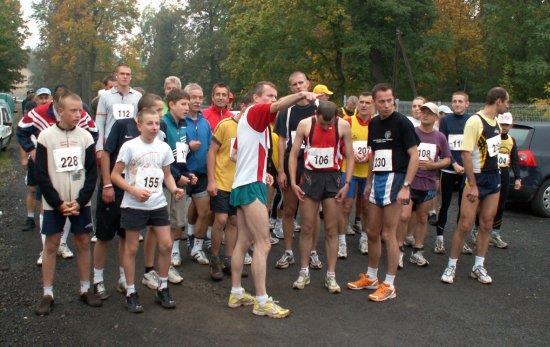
321 159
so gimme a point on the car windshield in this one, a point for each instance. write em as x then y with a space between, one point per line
521 135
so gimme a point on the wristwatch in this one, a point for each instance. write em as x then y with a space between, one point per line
406 184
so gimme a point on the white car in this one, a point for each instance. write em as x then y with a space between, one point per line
6 125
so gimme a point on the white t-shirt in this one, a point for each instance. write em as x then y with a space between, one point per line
414 121
143 168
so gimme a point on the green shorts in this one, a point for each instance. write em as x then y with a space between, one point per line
247 194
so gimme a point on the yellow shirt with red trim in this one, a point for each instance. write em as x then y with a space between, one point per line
359 137
225 135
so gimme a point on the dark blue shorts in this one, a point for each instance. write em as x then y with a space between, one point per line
385 187
356 186
54 221
488 183
421 196
198 190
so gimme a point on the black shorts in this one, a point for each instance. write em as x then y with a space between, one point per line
135 220
198 190
107 216
31 175
421 196
488 183
54 222
299 167
220 203
320 185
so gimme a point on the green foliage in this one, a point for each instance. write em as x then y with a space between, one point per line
12 35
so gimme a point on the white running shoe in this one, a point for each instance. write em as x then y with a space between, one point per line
314 261
297 226
278 229
200 257
466 249
480 273
332 285
400 263
176 259
363 245
247 259
418 259
39 261
174 276
449 274
151 279
342 250
439 247
273 240
496 241
350 231
302 281
272 222
285 261
409 241
64 251
94 239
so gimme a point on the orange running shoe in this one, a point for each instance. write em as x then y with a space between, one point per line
384 292
364 282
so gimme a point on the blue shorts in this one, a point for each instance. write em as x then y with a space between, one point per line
385 187
356 186
488 183
421 196
54 221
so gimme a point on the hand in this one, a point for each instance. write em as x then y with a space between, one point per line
75 207
108 195
178 193
194 179
269 179
298 192
342 193
141 194
183 181
33 155
360 158
459 169
426 165
472 193
212 189
281 179
404 196
98 156
309 96
517 184
65 209
194 145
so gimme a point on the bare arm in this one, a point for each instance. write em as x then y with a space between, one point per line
289 100
296 144
210 167
345 130
469 168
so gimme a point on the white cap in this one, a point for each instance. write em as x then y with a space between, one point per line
505 118
445 109
432 107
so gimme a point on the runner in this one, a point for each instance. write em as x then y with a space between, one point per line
324 134
452 126
434 154
393 143
108 83
66 173
482 189
351 107
285 127
219 109
324 91
145 161
359 134
249 195
415 110
170 83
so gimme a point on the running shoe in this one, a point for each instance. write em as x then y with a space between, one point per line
237 301
30 224
364 282
272 222
45 306
273 240
207 245
285 261
150 280
400 262
64 251
480 273
439 247
90 299
174 275
164 299
270 309
466 249
432 218
383 293
297 226
247 259
314 261
497 242
332 285
302 281
93 239
418 259
349 230
176 259
190 242
132 303
449 274
364 245
200 257
39 260
122 287
278 229
409 241
216 266
357 226
342 250
100 291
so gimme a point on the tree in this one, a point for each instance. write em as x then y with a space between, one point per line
12 35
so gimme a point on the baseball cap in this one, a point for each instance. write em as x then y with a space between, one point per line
432 107
322 89
43 90
505 118
445 109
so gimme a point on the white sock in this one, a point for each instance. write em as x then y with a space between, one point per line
364 235
439 238
43 238
289 252
130 289
176 246
197 246
262 299
342 238
237 291
479 261
122 277
190 229
30 215
84 286
331 274
163 283
389 279
372 272
452 262
98 275
209 232
66 229
304 270
48 291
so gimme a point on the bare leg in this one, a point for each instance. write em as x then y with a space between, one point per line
330 211
48 258
165 248
309 210
131 248
389 233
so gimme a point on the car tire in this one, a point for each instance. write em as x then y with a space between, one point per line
541 201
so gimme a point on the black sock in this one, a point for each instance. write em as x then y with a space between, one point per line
149 269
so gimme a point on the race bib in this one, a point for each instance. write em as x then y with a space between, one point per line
360 148
455 142
150 179
426 151
321 158
67 159
293 136
182 149
503 160
493 145
382 160
123 111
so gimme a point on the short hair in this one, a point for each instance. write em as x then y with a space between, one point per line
259 87
192 86
424 100
296 73
381 87
62 97
327 109
366 94
147 101
122 65
175 95
60 86
247 98
496 93
144 112
353 99
220 85
109 78
172 79
463 93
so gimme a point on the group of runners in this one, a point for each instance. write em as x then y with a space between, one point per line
168 170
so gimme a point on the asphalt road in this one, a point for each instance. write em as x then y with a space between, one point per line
514 310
